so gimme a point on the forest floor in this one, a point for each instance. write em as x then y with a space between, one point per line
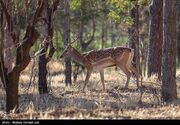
71 103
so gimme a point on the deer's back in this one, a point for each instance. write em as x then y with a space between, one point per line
96 55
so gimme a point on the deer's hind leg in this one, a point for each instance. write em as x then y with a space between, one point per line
126 69
136 75
102 78
87 79
128 74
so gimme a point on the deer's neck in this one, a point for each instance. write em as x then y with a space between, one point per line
77 56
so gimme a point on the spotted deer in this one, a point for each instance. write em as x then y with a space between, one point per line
97 60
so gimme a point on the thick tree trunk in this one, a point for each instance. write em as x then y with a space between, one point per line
22 56
169 92
66 40
12 92
155 38
22 60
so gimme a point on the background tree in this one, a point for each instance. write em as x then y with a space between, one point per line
104 23
155 38
86 13
169 91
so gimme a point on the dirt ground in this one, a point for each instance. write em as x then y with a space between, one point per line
70 102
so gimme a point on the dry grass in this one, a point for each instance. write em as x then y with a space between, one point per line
71 103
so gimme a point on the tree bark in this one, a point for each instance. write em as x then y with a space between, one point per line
169 92
133 40
133 33
22 56
66 40
155 38
104 24
42 81
178 31
44 58
8 41
22 60
113 34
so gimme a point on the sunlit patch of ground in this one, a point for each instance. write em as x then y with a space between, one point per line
71 103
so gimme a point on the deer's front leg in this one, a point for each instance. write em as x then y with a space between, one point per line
102 78
87 79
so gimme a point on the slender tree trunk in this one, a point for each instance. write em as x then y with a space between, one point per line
169 91
133 40
42 82
178 32
45 56
104 24
113 34
133 36
2 31
66 40
103 32
42 63
155 38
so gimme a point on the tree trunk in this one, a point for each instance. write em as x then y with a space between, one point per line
113 34
169 92
85 44
66 41
42 63
44 58
8 41
22 56
133 36
178 32
104 27
2 32
155 38
103 32
42 83
133 40
12 92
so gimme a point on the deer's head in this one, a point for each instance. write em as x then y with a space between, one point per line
67 52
